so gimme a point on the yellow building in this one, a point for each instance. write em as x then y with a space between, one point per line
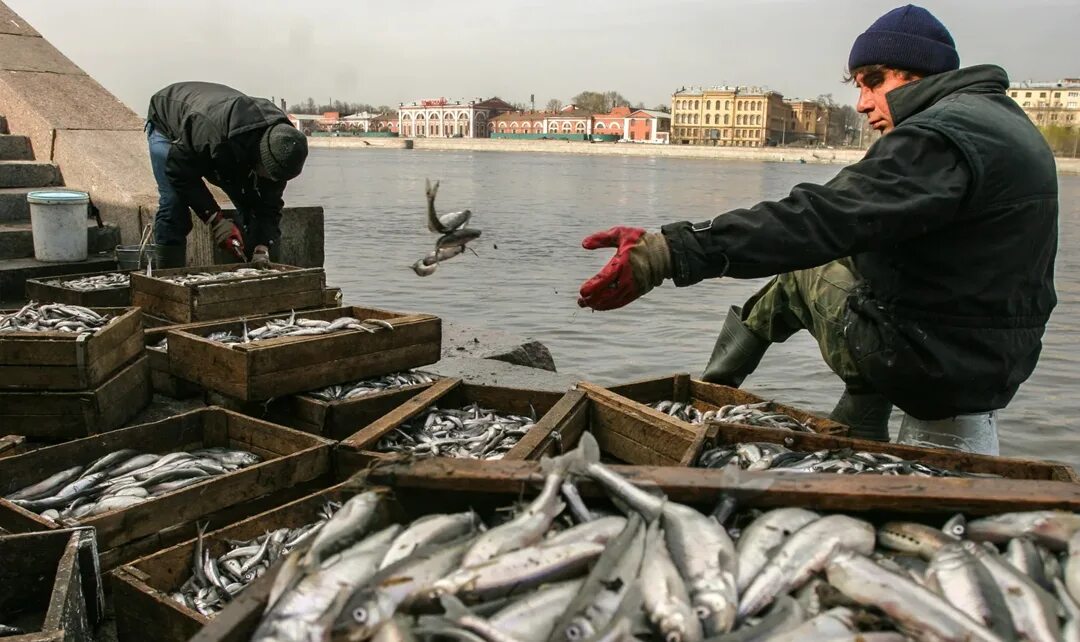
1049 104
728 117
807 120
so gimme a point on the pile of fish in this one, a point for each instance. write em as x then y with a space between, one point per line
561 570
216 580
754 414
197 278
454 236
54 317
125 478
365 387
844 461
6 630
95 282
471 432
297 327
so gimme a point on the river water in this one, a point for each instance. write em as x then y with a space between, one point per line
534 209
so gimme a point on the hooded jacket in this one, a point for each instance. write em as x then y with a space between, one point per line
951 222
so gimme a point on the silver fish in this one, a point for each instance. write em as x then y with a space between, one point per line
1033 610
525 529
665 595
197 278
957 576
763 536
433 529
110 281
533 617
47 486
1050 528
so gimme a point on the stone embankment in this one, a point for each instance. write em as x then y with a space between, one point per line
766 154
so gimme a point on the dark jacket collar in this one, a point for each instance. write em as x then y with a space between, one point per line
917 96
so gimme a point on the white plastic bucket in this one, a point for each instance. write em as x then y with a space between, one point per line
58 222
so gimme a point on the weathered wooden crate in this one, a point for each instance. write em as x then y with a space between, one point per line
447 485
627 432
143 585
50 585
332 419
58 416
358 450
162 379
52 290
719 434
289 457
64 361
289 365
286 288
710 396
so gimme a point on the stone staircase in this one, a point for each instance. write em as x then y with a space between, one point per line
19 175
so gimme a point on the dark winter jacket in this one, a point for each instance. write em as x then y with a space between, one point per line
951 221
215 132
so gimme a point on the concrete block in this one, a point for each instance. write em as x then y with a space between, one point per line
481 343
15 272
15 148
301 239
17 240
13 205
489 372
11 22
30 53
28 174
114 168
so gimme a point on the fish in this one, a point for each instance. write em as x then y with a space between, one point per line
445 223
1050 528
917 610
296 327
758 414
1023 554
912 537
763 536
97 282
664 593
957 576
427 265
806 552
600 530
425 531
457 238
365 387
1032 609
47 486
471 432
54 317
198 278
1072 566
533 617
844 461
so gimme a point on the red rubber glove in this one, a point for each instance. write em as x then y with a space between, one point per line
227 236
614 286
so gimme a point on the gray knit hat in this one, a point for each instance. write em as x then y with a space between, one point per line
283 151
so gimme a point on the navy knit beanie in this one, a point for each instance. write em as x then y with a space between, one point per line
908 38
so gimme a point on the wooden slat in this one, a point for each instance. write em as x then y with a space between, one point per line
43 291
374 431
704 487
268 285
565 418
642 424
249 306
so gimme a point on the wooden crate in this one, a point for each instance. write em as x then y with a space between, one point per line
50 585
289 365
64 361
162 378
331 419
143 586
710 396
289 457
58 416
356 451
627 432
447 485
52 290
288 288
719 434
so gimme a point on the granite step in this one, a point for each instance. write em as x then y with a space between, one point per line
15 272
13 205
15 148
24 173
17 239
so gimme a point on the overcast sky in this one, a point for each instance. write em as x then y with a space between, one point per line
390 51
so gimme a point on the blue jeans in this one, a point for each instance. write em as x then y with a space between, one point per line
172 223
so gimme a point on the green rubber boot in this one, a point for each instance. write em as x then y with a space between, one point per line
170 256
737 352
867 414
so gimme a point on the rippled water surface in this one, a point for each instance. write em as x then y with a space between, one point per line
534 209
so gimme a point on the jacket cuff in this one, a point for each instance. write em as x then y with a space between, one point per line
690 263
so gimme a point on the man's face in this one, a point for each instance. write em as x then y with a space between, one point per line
873 86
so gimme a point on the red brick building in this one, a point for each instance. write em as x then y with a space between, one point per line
615 122
518 122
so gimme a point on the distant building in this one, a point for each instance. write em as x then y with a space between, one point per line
1049 104
806 120
649 126
449 118
518 122
385 123
360 121
569 120
728 117
615 122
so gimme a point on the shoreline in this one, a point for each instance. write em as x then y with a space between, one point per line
1065 166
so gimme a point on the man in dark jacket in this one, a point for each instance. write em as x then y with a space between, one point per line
244 145
924 271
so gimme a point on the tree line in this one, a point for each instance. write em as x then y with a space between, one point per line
309 106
